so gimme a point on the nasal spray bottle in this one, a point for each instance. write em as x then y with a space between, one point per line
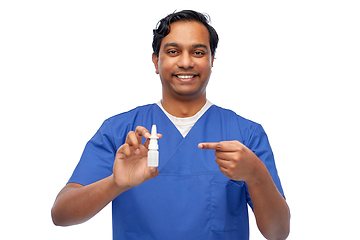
153 154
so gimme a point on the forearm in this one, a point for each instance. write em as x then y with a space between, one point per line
270 208
76 203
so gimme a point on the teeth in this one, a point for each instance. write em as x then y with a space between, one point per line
185 76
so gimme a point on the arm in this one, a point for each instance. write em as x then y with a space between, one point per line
239 163
77 203
270 208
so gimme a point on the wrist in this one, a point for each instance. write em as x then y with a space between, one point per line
118 186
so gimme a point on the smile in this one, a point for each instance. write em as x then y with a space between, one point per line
185 76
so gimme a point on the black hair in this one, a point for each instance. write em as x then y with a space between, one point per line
163 28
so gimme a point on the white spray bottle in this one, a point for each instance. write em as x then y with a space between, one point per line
153 154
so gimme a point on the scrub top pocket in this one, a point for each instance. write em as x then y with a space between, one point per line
228 205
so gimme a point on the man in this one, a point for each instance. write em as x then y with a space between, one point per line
192 194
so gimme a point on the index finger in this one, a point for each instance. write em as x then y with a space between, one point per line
223 146
141 132
210 145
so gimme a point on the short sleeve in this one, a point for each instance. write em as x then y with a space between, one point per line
97 159
259 144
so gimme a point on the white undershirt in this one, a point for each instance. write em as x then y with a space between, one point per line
184 125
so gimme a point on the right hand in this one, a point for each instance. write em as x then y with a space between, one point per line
130 166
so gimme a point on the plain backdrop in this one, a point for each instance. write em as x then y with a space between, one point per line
292 66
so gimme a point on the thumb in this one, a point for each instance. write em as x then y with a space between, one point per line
152 172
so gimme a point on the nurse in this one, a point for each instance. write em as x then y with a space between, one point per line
212 163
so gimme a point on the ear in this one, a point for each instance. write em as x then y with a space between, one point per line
155 60
212 60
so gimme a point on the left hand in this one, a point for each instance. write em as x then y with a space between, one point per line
235 160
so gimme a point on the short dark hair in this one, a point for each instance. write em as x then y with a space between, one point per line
163 28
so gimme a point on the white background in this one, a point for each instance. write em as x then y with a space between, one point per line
293 66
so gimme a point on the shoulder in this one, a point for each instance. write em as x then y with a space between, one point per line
115 129
238 127
120 124
242 121
132 114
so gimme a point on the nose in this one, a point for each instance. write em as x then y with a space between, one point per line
185 61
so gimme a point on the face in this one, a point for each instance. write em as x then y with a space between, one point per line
184 62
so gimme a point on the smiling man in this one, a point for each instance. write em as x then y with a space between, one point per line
192 194
184 64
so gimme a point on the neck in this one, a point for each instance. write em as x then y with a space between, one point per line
182 109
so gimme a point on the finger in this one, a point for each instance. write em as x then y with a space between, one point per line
224 146
224 156
153 172
150 173
131 139
124 151
224 170
141 132
210 145
143 150
218 161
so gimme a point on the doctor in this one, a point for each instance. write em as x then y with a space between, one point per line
193 194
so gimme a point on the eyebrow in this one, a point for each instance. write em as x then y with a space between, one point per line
171 45
199 45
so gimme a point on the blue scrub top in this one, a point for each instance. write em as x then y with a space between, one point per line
190 198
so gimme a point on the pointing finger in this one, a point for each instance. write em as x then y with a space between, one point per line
210 145
224 146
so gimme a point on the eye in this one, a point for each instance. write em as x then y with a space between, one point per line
198 53
172 52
